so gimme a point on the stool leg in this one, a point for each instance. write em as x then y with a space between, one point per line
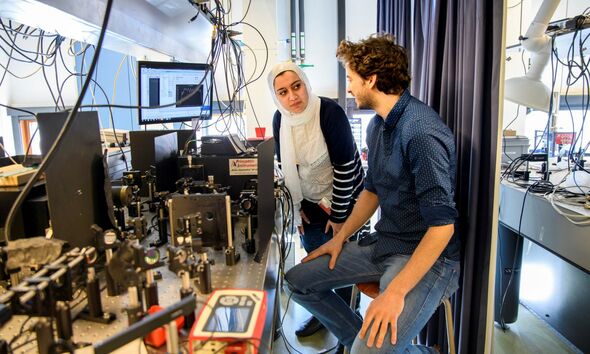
353 296
450 327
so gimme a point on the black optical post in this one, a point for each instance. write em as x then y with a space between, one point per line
146 325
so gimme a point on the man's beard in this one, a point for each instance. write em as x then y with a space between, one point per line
365 102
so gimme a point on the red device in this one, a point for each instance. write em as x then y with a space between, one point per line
231 322
157 337
562 138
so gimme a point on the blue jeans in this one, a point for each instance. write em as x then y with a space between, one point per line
312 238
311 285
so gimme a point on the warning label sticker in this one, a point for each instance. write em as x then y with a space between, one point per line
243 167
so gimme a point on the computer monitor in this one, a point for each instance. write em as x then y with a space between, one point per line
164 83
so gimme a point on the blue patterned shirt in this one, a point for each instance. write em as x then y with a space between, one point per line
412 166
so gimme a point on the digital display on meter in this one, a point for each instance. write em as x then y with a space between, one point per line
233 316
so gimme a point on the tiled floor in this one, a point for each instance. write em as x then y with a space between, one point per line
294 316
289 343
528 335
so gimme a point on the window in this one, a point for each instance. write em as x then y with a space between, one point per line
31 144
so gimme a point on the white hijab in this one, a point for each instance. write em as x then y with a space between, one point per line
309 116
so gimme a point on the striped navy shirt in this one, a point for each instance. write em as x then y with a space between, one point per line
344 156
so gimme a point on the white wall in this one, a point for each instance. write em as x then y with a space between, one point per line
33 91
5 122
514 66
6 130
262 16
321 36
566 8
321 40
361 19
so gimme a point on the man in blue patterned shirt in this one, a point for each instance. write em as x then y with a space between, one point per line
411 177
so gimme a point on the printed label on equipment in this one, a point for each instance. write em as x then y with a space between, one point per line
243 167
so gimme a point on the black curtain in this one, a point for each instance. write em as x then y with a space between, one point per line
387 11
455 48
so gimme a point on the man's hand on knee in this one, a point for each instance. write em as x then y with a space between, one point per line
331 248
381 316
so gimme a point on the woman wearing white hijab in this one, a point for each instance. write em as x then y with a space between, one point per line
319 159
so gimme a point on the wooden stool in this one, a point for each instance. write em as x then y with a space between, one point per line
372 291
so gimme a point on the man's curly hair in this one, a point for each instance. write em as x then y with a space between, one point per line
379 55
